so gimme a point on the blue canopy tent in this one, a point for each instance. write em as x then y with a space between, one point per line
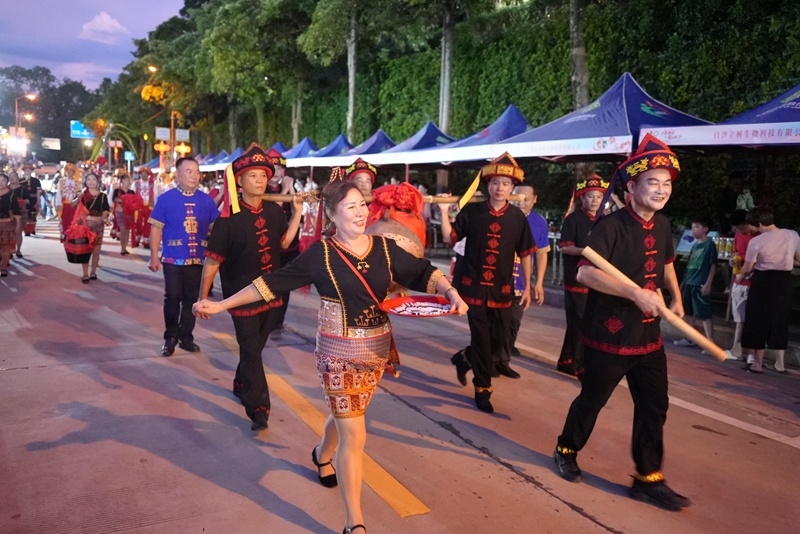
429 136
301 150
220 165
606 126
153 163
280 147
774 123
378 142
334 148
507 125
208 166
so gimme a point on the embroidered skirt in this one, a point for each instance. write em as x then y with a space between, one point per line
350 369
8 232
97 226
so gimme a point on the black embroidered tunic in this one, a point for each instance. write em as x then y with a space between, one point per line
321 265
493 237
640 249
248 244
575 233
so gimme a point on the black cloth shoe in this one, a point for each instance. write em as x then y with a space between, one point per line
515 351
260 419
567 466
482 401
329 481
459 359
190 346
169 347
507 371
658 494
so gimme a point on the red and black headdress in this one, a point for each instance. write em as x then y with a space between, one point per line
360 165
651 154
593 183
275 157
253 158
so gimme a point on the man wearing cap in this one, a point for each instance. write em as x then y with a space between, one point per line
279 183
574 233
246 242
621 332
181 222
495 231
363 175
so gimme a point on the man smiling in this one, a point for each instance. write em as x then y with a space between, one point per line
621 332
245 243
495 231
181 221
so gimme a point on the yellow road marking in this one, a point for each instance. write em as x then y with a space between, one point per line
388 488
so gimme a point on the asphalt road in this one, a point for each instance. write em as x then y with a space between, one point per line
100 434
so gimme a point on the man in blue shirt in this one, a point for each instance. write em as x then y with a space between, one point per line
539 229
181 221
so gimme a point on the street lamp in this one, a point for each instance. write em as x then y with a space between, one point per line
30 97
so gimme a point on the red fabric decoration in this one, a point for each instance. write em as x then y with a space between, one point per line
405 205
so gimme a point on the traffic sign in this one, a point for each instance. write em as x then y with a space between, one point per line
79 131
162 134
51 143
129 156
181 134
114 143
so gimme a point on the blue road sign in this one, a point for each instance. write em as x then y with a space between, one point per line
79 131
129 156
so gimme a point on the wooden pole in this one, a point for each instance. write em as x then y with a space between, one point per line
687 330
428 199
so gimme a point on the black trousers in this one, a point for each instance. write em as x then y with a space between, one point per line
572 348
250 383
647 381
181 289
279 314
767 312
489 328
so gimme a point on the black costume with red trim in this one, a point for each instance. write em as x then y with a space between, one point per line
247 245
486 277
574 233
622 341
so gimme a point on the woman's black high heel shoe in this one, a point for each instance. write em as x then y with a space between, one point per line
351 529
327 481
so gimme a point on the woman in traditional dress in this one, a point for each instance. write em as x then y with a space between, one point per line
96 203
352 272
67 196
9 223
123 220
